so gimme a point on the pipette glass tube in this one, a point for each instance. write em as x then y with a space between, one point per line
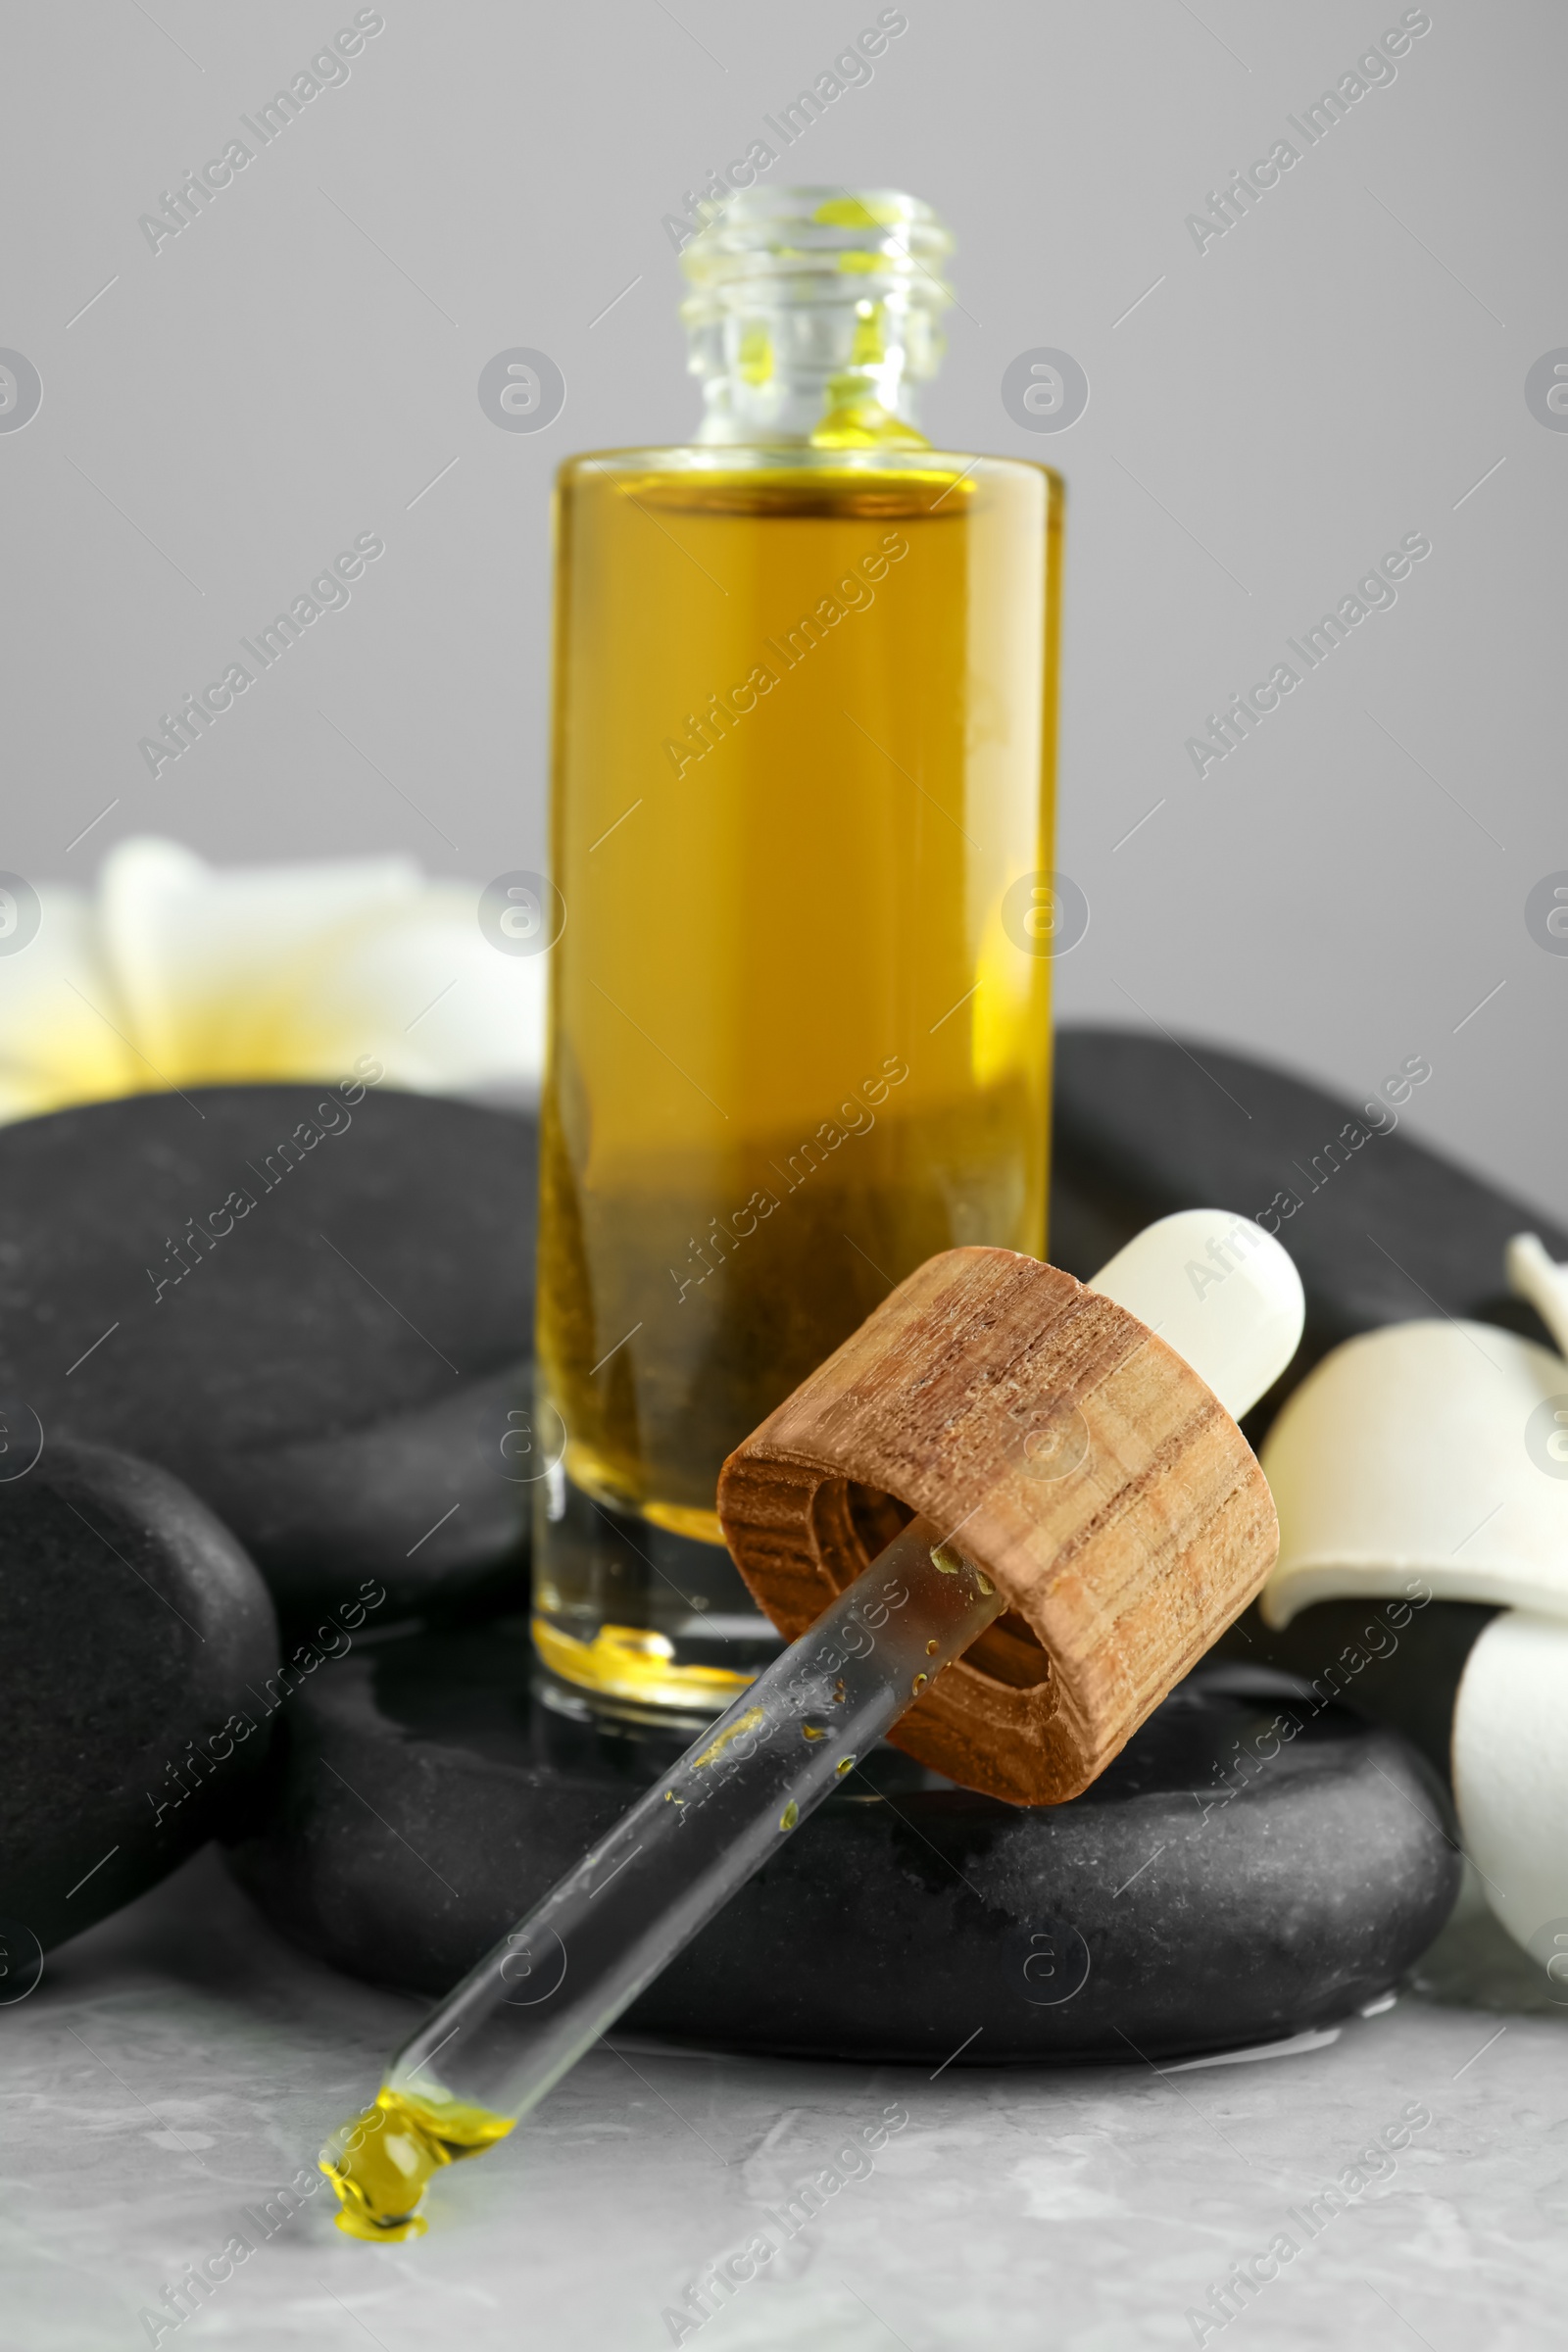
562 1975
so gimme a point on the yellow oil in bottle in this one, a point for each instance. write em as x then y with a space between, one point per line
800 1018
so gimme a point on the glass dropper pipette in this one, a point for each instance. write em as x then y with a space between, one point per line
547 1991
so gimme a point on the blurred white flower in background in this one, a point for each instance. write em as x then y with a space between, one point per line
177 974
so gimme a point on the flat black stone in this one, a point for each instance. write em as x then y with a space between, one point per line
1386 1230
333 1373
420 1802
133 1631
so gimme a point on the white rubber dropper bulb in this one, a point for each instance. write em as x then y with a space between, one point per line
1220 1291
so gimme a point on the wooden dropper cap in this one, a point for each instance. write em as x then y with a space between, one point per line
1074 1452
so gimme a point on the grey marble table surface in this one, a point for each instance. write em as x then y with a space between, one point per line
178 2066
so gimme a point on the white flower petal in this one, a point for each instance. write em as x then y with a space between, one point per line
427 994
61 1027
182 975
227 975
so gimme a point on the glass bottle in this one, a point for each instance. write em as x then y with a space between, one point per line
804 717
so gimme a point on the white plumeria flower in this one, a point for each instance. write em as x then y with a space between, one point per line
177 974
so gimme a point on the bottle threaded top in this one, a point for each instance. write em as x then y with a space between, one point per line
813 315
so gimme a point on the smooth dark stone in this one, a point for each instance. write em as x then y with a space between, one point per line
133 1631
421 1801
1356 1651
1390 1232
334 1374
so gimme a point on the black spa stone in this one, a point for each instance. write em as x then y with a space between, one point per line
1251 1865
309 1303
1385 1229
137 1643
338 1372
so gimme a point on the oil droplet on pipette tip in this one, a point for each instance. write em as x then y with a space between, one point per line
380 2160
844 1764
919 1683
814 1730
790 1815
930 1649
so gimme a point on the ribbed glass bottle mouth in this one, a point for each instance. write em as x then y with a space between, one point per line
809 246
813 315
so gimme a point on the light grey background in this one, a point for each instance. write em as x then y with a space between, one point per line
1340 369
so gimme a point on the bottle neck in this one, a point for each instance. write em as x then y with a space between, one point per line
814 317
